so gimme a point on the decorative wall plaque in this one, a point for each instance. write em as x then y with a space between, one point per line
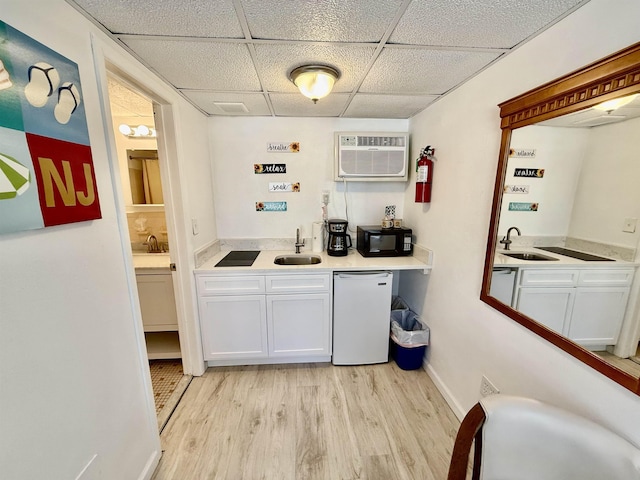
269 168
523 207
279 147
516 189
271 206
284 187
522 152
529 172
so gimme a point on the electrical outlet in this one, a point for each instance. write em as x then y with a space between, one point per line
630 225
325 197
487 388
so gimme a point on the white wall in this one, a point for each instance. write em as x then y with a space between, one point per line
74 383
469 338
608 191
238 143
559 151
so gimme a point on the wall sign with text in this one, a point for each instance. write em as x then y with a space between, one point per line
522 152
46 168
271 206
284 187
529 172
516 189
277 147
523 207
269 168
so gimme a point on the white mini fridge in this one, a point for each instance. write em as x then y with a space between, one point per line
361 317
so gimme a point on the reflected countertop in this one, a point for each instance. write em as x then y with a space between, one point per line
353 261
562 261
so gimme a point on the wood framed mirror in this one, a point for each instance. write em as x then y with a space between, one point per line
571 96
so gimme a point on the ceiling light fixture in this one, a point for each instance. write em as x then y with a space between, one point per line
314 81
611 105
141 131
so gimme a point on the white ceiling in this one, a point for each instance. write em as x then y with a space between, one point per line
395 56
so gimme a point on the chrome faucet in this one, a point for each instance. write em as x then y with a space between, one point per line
152 245
298 244
507 240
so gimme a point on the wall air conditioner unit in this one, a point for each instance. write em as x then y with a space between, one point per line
371 157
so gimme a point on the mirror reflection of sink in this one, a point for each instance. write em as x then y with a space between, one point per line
297 260
529 256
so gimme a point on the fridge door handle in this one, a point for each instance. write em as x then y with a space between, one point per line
363 274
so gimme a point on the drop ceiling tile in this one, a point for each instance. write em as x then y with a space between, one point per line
334 20
476 23
297 105
254 102
199 65
387 106
417 70
127 103
274 63
195 18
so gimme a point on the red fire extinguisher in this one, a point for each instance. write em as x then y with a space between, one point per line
424 167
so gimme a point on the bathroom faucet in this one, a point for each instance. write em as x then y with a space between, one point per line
152 244
298 244
507 240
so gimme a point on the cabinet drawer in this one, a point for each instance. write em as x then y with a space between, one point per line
298 283
606 277
548 277
229 285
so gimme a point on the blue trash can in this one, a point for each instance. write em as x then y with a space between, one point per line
408 339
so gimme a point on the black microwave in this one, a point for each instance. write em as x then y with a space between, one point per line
374 241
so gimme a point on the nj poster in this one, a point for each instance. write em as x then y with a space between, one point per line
46 168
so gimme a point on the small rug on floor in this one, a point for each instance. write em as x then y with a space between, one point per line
165 376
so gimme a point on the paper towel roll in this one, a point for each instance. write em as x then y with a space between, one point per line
317 237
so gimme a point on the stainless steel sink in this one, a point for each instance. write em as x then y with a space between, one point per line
529 256
297 260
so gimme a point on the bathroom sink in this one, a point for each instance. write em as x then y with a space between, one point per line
529 256
297 260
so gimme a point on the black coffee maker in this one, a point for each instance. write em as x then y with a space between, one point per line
339 239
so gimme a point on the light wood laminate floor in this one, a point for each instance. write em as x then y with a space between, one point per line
311 421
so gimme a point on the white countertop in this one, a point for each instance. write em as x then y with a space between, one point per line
562 261
151 260
353 261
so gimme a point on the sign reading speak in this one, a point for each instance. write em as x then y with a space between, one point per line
276 147
271 206
269 168
522 152
516 189
523 207
529 172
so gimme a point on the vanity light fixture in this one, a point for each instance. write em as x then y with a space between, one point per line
611 105
314 81
141 131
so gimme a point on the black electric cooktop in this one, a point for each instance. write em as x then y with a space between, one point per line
239 258
587 257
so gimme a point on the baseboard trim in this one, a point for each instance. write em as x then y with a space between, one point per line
151 465
445 392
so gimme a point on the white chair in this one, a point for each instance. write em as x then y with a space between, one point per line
523 439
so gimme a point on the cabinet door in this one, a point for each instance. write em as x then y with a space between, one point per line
299 325
597 315
548 306
157 302
233 326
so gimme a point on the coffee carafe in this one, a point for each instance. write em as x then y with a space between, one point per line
339 239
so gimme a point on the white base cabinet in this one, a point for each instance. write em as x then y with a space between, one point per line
585 305
265 319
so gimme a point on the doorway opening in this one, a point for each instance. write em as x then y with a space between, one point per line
132 116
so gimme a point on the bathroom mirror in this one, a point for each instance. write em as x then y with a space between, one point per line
144 177
546 109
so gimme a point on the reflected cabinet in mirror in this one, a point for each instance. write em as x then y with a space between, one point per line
562 252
